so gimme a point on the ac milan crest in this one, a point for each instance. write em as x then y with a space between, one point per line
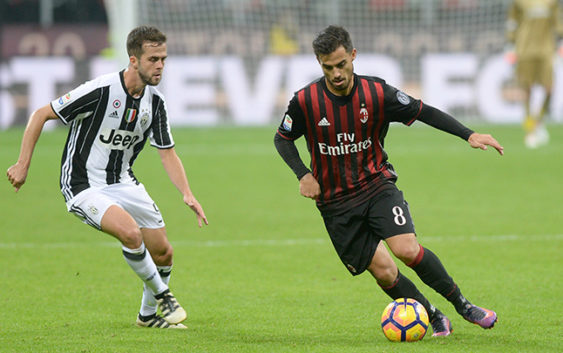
364 114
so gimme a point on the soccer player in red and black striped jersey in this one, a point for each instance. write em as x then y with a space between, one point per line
344 118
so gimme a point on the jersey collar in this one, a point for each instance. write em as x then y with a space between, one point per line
122 79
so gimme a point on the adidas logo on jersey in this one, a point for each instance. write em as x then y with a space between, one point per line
114 115
323 122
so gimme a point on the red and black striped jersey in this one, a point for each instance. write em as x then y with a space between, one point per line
345 136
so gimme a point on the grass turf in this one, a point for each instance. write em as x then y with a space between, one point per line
263 276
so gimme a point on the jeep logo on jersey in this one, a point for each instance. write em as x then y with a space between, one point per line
118 139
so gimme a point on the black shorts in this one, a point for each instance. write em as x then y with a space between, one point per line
356 233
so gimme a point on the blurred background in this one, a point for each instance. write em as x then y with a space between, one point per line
238 62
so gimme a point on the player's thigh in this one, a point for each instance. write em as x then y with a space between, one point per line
390 219
137 202
545 72
526 72
389 214
352 239
158 245
117 222
103 212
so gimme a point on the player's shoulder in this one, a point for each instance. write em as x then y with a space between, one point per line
308 85
155 92
372 79
96 83
104 80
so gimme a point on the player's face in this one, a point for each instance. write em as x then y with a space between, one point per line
338 70
151 63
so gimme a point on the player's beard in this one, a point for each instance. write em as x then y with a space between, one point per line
149 80
343 88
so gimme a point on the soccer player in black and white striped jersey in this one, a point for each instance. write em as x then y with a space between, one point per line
344 118
110 119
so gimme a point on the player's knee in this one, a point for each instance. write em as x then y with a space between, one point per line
131 238
163 256
408 253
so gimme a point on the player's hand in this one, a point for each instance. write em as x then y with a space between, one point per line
309 186
17 175
481 141
191 201
510 54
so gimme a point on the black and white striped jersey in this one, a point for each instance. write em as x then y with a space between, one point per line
108 129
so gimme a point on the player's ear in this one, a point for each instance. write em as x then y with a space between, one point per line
133 61
353 54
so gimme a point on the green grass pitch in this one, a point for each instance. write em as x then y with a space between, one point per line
263 276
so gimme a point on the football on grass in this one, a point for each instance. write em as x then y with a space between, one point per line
404 320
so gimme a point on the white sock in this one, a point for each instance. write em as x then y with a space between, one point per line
148 303
141 262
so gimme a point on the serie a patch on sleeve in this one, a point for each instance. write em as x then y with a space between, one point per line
64 99
287 122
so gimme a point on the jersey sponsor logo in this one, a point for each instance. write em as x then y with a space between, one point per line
64 99
287 122
118 139
345 145
114 115
130 115
324 122
364 115
403 98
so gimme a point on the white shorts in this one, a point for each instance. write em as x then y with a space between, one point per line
91 204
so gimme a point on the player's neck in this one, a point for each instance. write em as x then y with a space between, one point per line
133 83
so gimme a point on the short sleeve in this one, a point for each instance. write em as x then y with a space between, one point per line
160 133
79 103
400 107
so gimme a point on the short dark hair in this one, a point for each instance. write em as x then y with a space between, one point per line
140 35
330 38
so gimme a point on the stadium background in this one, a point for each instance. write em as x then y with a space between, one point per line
237 62
263 276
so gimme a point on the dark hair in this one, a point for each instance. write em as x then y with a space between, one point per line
140 35
329 39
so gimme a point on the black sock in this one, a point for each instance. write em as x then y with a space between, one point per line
431 271
402 287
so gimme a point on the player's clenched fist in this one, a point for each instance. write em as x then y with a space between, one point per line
17 175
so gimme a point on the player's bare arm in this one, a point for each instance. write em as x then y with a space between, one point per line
309 186
175 170
17 173
481 141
